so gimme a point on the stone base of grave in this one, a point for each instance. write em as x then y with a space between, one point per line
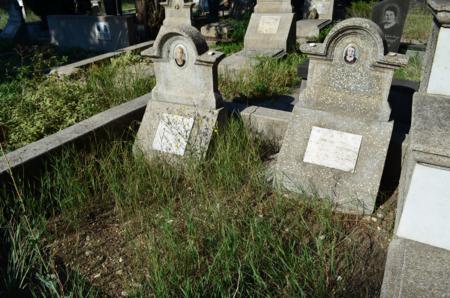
175 131
414 269
245 60
271 31
350 182
308 30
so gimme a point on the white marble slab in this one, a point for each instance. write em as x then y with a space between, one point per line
426 213
440 71
269 24
173 134
333 149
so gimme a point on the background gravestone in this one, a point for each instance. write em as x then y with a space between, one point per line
390 15
316 15
271 32
15 22
337 140
186 105
418 261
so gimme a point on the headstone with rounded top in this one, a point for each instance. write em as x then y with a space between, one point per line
186 106
418 260
390 15
337 140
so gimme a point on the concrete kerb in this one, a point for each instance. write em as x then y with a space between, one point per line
69 69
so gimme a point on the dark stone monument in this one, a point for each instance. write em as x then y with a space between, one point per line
390 15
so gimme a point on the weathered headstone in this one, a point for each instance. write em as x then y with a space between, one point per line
418 261
186 105
316 15
271 32
390 15
337 140
15 22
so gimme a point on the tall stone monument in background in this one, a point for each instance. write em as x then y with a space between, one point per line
271 32
186 105
391 15
418 261
337 140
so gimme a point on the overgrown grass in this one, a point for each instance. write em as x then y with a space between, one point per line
3 18
361 9
31 108
208 228
418 24
268 78
412 71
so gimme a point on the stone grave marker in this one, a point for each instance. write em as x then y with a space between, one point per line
15 22
316 15
390 15
271 32
418 261
186 105
337 140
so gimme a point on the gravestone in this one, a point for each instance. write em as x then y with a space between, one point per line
316 15
390 15
271 32
15 22
337 140
186 105
418 261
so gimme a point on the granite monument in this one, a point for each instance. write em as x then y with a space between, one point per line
337 140
390 15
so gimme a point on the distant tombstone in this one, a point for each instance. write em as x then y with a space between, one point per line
271 33
15 22
418 262
337 140
186 105
391 15
316 15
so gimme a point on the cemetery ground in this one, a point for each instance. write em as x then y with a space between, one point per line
101 222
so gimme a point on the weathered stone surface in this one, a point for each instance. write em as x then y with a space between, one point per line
390 15
415 270
324 9
346 101
186 105
316 15
418 263
440 72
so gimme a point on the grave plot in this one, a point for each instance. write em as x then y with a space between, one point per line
336 142
390 15
418 263
316 15
186 106
271 32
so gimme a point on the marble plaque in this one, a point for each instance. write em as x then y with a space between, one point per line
426 213
440 72
269 24
333 149
173 134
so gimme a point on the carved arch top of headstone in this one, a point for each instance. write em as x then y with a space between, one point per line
273 6
351 73
185 69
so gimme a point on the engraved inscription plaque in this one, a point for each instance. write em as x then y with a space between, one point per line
333 149
440 71
269 24
173 134
426 215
